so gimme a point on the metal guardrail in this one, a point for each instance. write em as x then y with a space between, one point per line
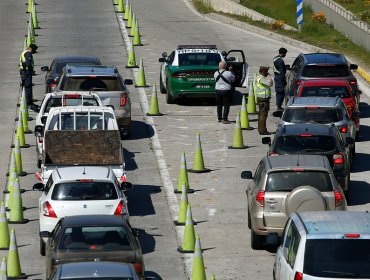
347 15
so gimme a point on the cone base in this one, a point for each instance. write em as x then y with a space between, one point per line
21 191
144 86
180 250
22 174
178 224
243 147
205 170
22 276
187 191
136 66
29 119
249 128
24 221
28 132
4 249
25 146
252 113
153 115
131 36
8 209
138 45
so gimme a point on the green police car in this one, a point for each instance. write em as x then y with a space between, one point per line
188 71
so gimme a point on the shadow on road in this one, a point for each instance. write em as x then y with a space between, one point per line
152 275
359 193
140 201
140 130
130 162
147 241
361 163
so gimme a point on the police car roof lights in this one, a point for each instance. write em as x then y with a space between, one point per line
197 47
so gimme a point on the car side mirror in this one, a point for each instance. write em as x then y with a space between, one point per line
277 114
162 59
350 141
246 175
287 67
43 119
38 187
358 91
128 82
164 54
266 140
45 69
125 186
45 234
272 239
353 66
39 130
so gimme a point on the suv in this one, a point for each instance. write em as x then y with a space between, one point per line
79 190
324 110
285 184
320 66
188 71
316 139
324 245
107 83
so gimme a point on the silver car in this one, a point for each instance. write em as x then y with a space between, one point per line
324 110
285 184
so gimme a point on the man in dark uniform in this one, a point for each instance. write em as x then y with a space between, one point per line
26 65
279 78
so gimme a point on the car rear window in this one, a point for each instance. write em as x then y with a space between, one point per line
305 143
199 59
288 181
337 258
95 238
61 65
325 91
82 121
76 101
91 83
325 71
84 191
312 115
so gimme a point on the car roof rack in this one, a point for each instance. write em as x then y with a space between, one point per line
179 47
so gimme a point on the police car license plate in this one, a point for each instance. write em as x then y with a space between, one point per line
202 86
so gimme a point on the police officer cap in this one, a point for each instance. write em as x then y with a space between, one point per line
34 47
264 67
283 50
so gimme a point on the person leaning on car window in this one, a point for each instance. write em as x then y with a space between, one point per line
279 77
224 91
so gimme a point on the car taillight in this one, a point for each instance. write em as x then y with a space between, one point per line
119 209
123 99
353 82
338 158
298 82
338 198
273 154
298 276
52 86
260 198
180 75
352 235
343 129
48 210
123 178
40 140
38 177
72 96
138 268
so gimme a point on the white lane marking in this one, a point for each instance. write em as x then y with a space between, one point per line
181 127
211 212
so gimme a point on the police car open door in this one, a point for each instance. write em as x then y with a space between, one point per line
236 59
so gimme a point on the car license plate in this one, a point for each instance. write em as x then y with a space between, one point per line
202 86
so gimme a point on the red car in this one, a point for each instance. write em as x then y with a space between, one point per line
332 88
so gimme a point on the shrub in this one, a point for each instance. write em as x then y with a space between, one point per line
319 16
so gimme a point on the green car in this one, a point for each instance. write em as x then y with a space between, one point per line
188 71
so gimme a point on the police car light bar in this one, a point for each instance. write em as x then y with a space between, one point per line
197 47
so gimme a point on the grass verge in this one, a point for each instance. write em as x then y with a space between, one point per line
203 6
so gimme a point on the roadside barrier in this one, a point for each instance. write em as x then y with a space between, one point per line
20 133
30 24
251 106
141 81
137 36
133 26
238 135
12 164
183 176
213 277
3 272
154 109
14 266
120 8
28 37
184 202
34 17
130 17
126 16
198 272
198 163
244 118
115 2
18 159
4 228
26 129
188 242
16 206
29 7
131 62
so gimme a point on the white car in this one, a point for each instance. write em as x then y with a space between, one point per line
79 190
323 245
52 100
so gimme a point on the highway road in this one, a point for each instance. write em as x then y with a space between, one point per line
219 205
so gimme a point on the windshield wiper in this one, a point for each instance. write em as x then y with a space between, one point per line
341 273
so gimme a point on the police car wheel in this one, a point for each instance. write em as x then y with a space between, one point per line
169 98
161 86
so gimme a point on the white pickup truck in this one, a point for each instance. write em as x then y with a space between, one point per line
81 135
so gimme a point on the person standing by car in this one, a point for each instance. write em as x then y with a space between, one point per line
26 65
224 91
279 78
262 88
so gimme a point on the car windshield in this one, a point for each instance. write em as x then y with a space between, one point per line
288 181
95 238
337 258
92 190
61 65
91 83
305 143
75 101
325 71
99 278
82 121
312 115
325 91
199 59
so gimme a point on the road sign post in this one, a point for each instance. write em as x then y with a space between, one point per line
299 14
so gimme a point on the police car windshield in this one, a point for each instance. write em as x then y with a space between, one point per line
57 102
312 115
199 59
326 91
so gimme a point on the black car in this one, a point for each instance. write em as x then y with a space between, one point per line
93 238
320 66
56 68
315 139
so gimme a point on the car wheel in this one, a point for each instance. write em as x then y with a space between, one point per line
42 247
256 240
249 220
161 86
39 162
169 98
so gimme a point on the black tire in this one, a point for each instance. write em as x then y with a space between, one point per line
169 97
161 86
249 220
357 136
42 247
39 162
256 241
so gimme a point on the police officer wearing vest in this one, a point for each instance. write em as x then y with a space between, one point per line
262 89
224 91
26 65
279 77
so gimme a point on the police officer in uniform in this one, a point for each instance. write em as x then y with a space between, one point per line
26 65
279 77
262 86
